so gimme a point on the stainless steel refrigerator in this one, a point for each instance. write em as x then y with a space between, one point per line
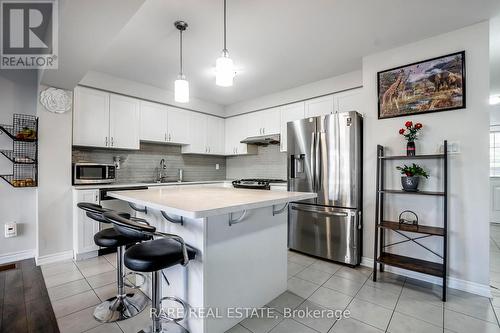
325 156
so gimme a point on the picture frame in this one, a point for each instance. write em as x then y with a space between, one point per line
432 85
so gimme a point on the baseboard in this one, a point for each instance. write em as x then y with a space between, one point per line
454 283
16 256
52 258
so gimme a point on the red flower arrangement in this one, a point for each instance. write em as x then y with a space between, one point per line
411 131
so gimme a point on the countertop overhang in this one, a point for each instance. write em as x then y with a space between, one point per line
201 202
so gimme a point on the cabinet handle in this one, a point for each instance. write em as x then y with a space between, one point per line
169 137
112 141
263 130
165 136
106 141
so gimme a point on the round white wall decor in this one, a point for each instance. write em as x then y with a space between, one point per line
55 100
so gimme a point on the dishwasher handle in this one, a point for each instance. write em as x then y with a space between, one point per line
326 213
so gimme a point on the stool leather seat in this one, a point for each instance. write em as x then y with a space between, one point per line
156 255
111 238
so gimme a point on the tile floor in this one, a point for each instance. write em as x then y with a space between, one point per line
393 304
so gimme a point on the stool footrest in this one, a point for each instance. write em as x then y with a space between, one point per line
184 305
134 286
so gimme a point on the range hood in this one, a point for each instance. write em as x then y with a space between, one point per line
263 140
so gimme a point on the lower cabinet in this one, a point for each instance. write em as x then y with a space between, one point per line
84 228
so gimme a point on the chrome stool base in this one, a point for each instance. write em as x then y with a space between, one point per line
120 307
166 327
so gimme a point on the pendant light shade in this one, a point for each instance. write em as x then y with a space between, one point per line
224 71
181 90
224 66
181 85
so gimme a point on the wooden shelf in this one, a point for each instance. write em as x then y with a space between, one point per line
412 264
417 157
414 193
419 229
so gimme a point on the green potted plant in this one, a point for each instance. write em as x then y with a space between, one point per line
411 176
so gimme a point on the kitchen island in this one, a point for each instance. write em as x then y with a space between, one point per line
241 240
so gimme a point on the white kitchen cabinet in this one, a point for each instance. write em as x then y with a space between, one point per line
289 112
84 228
350 100
236 129
90 117
162 123
197 132
319 106
177 125
105 120
153 122
124 122
263 122
215 135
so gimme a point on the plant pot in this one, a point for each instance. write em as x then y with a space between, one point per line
411 149
410 184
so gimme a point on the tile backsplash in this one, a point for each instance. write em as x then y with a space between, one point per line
268 163
141 165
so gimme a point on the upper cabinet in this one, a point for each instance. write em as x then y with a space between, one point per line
263 122
105 120
205 135
161 123
237 129
350 100
177 125
319 106
90 118
289 113
124 122
153 122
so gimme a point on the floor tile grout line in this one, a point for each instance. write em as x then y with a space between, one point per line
395 306
347 306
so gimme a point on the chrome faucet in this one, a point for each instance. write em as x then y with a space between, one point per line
162 173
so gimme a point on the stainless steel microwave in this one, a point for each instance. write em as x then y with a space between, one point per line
93 173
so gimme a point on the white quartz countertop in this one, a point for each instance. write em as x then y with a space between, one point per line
172 183
200 202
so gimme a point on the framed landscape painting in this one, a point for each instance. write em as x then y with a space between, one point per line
432 85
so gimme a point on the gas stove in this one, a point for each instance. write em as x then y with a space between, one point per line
256 183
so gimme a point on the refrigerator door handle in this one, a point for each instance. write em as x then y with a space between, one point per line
313 161
318 162
326 213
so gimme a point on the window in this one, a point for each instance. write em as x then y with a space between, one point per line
495 151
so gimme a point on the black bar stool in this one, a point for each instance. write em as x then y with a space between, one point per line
123 305
153 256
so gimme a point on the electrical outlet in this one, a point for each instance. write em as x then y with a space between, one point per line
217 166
10 230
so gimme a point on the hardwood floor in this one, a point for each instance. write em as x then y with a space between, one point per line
24 302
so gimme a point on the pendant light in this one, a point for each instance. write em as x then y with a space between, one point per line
224 67
181 84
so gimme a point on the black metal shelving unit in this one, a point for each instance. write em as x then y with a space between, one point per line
24 154
381 224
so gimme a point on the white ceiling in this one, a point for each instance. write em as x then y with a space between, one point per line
276 44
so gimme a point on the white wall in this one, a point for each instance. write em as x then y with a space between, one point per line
54 182
140 90
468 171
17 95
318 88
